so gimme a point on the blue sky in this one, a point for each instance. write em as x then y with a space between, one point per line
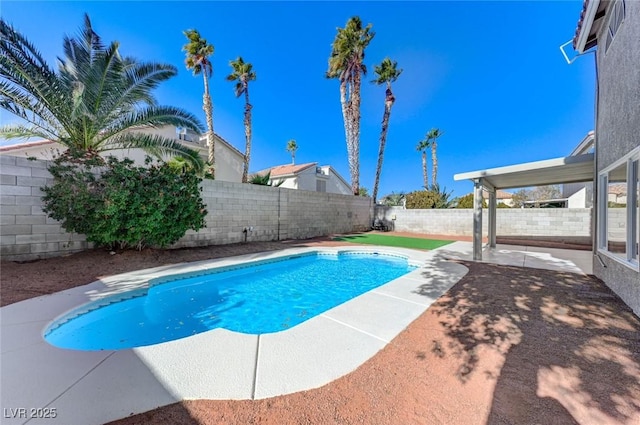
490 75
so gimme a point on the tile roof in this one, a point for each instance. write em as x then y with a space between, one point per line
590 23
25 145
283 170
500 194
617 189
585 4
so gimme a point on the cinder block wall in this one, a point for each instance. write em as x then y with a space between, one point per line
529 222
454 222
274 214
26 232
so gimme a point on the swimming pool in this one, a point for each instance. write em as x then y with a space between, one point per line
255 298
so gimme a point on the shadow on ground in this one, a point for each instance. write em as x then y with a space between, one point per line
570 347
505 345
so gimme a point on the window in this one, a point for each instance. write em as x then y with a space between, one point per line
618 229
321 186
616 18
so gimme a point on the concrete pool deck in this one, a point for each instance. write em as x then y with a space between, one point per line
96 387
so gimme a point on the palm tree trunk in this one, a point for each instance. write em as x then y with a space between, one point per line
383 139
424 170
207 105
434 161
247 133
348 130
354 158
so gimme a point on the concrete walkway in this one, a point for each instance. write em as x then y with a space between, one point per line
96 387
567 260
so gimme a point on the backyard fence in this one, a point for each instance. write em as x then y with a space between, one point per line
236 213
244 212
571 225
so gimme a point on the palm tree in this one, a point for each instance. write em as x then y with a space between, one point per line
346 65
433 135
92 100
242 74
292 147
197 59
386 73
394 199
423 145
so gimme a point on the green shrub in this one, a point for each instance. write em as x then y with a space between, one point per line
612 204
264 180
432 198
115 203
502 205
466 201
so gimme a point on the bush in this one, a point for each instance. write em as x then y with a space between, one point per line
425 199
502 205
466 201
264 180
115 203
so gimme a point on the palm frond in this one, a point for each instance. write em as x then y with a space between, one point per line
387 72
19 131
243 73
151 116
155 145
348 47
93 99
198 51
22 68
26 107
423 144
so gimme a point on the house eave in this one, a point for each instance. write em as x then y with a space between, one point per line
584 38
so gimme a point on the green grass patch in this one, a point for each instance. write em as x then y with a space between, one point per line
399 241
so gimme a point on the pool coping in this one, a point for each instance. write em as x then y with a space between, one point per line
217 364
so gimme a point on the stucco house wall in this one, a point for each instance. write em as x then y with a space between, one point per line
229 161
286 183
618 128
578 199
307 179
336 183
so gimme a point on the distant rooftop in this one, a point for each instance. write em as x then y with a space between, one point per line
285 170
18 146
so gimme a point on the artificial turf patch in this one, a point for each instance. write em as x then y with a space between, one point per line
399 241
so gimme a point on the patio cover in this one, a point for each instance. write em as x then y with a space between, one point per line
570 169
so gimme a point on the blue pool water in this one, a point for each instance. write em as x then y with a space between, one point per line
255 299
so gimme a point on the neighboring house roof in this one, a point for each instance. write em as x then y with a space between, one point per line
290 170
19 146
589 24
225 142
346 183
26 145
500 194
617 189
285 170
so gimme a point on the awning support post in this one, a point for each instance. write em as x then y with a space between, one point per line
492 218
477 220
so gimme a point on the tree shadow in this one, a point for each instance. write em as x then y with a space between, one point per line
570 348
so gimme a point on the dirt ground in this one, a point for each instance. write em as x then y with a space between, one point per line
506 345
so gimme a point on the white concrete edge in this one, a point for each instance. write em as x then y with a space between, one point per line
138 282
